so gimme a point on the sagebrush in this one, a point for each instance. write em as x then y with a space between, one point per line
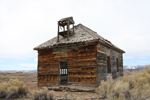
132 86
13 89
44 94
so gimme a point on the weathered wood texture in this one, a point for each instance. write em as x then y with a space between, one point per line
102 53
81 62
87 64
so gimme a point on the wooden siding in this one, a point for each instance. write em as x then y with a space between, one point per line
87 64
102 53
81 62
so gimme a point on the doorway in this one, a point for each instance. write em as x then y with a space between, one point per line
63 73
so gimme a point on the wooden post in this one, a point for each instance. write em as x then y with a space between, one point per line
68 30
64 28
58 33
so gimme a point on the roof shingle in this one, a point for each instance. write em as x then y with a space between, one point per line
82 34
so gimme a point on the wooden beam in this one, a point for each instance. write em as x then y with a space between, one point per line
101 51
71 21
64 28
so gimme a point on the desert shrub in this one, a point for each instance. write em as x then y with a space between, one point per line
3 90
44 94
120 89
141 89
148 69
13 89
132 86
3 93
50 95
105 88
65 95
40 96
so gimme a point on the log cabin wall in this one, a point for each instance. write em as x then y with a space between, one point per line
102 53
81 61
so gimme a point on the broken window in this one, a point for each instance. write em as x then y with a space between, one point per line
63 73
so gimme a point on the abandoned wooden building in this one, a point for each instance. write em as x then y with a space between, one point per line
77 56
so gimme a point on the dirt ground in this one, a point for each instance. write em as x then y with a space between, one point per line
30 80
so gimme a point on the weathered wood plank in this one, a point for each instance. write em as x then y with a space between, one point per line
81 59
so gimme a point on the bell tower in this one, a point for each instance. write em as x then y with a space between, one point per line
65 22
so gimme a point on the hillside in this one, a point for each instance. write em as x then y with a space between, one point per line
133 68
125 68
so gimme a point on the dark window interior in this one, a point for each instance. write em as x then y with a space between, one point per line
108 65
117 65
63 73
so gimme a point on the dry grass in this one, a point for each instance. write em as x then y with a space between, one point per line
30 80
18 76
13 89
132 86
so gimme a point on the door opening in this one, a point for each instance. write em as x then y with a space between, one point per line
63 73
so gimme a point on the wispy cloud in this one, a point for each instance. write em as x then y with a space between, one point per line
7 67
144 61
143 57
128 57
28 65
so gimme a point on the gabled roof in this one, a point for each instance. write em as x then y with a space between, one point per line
82 34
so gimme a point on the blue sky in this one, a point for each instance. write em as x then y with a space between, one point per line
145 60
24 24
18 64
